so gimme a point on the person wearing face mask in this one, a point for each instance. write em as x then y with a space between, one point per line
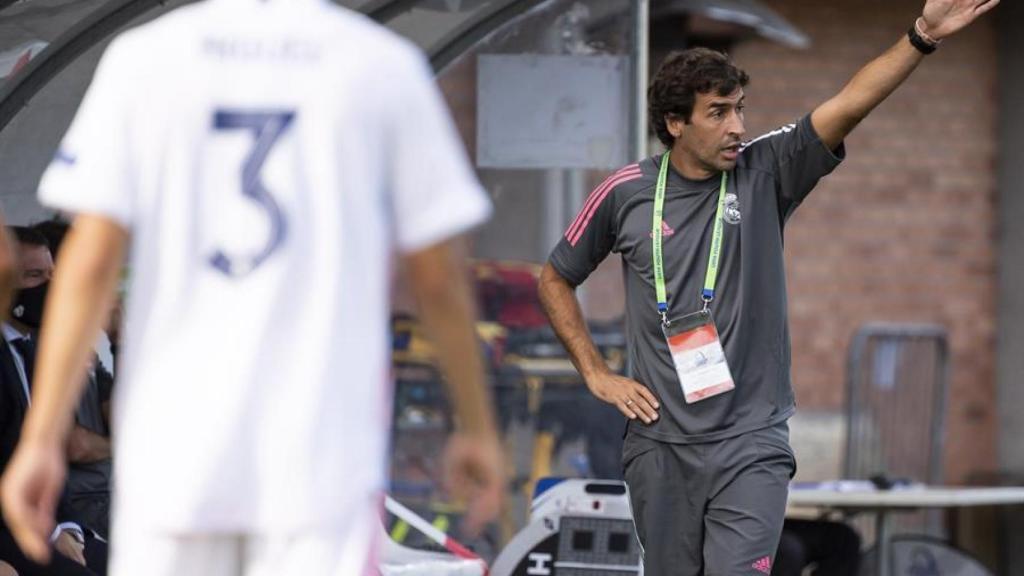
88 446
33 278
17 358
55 229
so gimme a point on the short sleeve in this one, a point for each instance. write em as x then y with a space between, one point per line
797 157
435 193
91 171
590 236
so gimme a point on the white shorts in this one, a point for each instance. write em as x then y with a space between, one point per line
345 553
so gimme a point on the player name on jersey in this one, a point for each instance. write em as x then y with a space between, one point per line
291 50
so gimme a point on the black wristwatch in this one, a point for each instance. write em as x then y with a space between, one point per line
923 46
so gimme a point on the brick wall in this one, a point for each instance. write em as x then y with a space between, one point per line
904 230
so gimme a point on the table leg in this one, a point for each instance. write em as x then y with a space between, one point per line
883 544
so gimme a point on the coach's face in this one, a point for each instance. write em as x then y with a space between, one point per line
710 142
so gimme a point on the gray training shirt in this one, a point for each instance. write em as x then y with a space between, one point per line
773 174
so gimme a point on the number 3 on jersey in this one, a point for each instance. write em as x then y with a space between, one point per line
267 128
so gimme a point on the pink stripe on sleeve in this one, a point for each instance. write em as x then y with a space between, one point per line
626 177
598 193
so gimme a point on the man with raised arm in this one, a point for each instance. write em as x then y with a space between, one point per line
700 228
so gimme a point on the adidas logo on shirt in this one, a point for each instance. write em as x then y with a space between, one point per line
666 231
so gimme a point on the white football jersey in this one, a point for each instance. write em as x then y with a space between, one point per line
269 160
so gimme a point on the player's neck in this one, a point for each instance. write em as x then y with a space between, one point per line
689 166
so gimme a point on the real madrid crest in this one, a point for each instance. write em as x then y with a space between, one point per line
732 209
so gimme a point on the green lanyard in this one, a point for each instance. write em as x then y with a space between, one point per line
708 294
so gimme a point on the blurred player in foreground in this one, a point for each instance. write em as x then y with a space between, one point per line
262 162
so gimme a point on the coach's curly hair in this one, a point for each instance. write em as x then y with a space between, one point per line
683 75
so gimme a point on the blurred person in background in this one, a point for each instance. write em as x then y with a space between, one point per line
33 272
55 229
88 446
7 277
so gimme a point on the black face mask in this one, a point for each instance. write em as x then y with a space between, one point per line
27 307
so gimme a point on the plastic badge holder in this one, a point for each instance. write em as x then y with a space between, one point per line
698 356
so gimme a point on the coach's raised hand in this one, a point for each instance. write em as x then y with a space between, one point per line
941 18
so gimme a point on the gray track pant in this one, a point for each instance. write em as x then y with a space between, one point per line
711 509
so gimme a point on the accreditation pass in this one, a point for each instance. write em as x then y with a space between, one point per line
700 362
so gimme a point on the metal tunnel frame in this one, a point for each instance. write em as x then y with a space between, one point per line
18 91
111 17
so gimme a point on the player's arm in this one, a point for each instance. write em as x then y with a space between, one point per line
838 116
563 310
441 288
440 285
80 295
